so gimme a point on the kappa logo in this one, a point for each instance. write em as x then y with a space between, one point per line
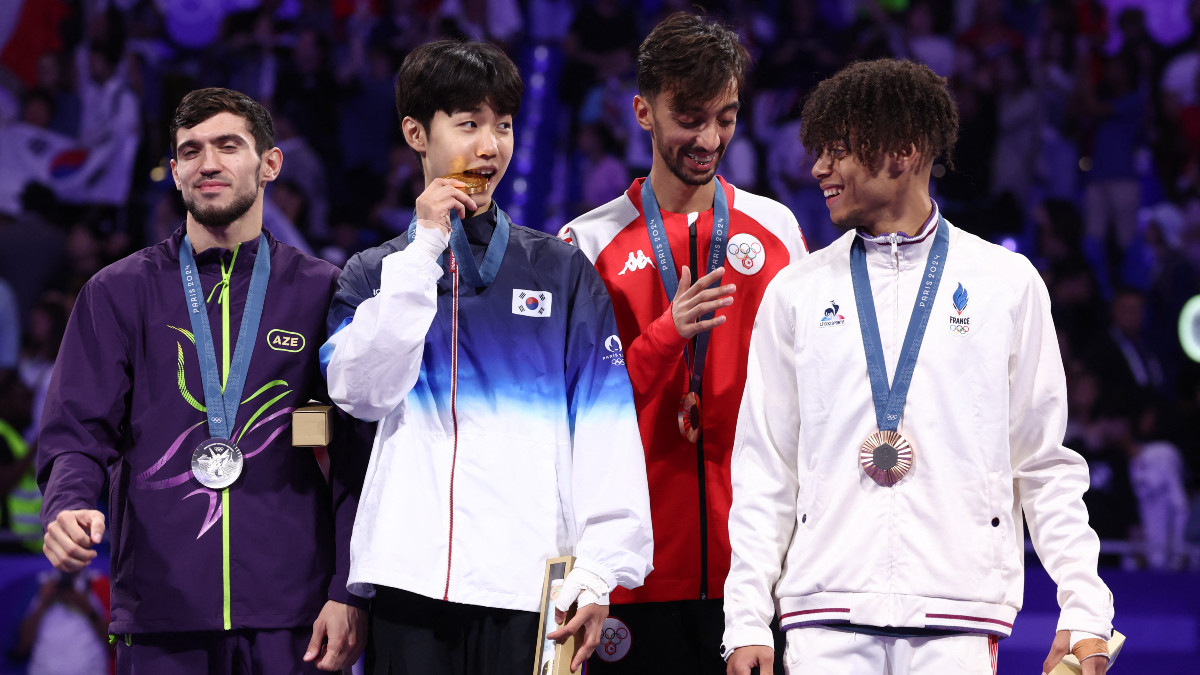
285 341
615 355
637 262
831 316
745 254
960 325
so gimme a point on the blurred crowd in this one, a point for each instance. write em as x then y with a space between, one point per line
1079 147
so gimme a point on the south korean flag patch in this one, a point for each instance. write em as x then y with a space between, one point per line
532 303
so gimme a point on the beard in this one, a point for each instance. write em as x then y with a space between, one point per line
855 220
214 216
675 162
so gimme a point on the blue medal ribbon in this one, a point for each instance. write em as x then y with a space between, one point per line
474 275
666 264
889 403
222 405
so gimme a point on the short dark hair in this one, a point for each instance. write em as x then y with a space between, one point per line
693 58
880 107
202 104
453 76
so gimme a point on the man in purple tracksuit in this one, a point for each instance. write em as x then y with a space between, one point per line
229 548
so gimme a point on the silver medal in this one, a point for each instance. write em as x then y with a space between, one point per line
217 463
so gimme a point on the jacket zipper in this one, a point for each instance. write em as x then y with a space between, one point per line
453 417
226 585
700 477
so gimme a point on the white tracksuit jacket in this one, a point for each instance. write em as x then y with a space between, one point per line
986 413
507 432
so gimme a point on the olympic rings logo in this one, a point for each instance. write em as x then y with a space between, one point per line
746 252
959 329
611 638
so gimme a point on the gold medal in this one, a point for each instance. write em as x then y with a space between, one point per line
475 183
689 416
886 457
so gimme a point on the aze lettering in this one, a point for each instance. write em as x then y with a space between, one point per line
285 341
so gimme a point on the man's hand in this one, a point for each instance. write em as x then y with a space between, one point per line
69 539
751 656
441 196
339 636
693 301
591 619
1097 665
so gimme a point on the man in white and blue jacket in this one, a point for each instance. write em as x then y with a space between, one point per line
489 355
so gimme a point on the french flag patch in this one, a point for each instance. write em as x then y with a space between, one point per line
531 303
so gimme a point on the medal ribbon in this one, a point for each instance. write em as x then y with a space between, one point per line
666 264
889 403
474 275
222 405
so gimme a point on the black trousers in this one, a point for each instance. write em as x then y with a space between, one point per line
672 637
411 634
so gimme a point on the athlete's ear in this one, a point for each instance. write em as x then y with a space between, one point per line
272 164
415 134
643 112
907 158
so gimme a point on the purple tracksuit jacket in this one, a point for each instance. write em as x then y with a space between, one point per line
125 407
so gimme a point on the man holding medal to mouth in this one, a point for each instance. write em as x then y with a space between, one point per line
886 451
507 435
227 542
685 341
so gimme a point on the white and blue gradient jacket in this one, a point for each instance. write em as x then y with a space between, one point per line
506 436
986 414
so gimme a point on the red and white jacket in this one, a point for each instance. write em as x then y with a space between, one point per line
691 536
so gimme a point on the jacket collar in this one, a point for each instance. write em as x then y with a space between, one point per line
900 244
246 251
479 228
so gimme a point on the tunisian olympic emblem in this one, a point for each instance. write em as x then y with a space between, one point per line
745 253
615 641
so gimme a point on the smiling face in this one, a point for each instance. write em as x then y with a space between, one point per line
469 141
219 172
856 196
690 142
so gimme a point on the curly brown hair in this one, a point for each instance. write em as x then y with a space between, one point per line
880 107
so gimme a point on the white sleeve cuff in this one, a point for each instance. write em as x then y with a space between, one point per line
430 241
584 586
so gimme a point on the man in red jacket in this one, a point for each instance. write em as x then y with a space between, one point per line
685 343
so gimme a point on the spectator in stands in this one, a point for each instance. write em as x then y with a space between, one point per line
20 499
33 248
1117 114
601 44
65 631
1129 371
1156 471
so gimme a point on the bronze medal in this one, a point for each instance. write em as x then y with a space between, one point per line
475 183
689 416
886 457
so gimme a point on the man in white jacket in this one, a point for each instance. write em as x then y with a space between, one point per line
905 405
